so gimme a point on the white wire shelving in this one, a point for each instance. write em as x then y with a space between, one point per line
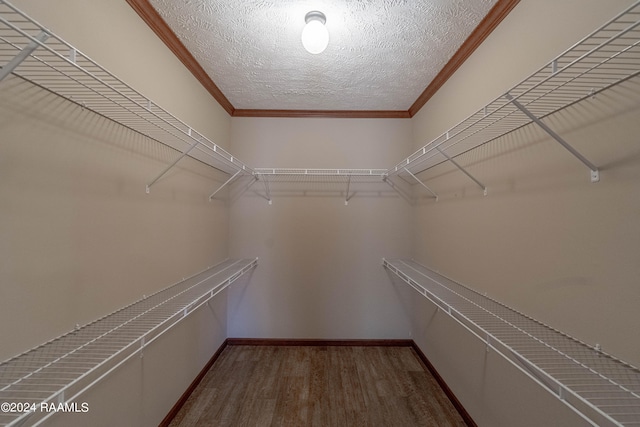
30 51
315 175
343 178
59 371
605 58
602 389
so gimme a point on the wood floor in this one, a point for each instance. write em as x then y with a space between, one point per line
317 386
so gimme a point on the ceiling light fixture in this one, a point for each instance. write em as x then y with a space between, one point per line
315 36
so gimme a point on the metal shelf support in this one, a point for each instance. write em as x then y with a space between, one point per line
422 183
601 389
88 354
65 71
397 189
346 197
266 189
608 56
224 185
481 185
168 168
23 54
344 178
595 174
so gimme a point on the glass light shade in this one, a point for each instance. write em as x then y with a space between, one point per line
315 37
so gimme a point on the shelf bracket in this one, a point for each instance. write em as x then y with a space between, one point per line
395 188
595 173
23 54
224 185
346 198
481 185
266 190
422 183
253 181
194 145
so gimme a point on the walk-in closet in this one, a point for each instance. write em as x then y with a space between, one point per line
445 188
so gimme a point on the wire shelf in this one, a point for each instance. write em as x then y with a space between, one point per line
61 369
320 175
605 390
30 51
344 182
603 59
608 56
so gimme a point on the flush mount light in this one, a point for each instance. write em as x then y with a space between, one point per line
315 36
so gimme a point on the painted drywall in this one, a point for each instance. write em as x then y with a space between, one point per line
545 241
79 237
495 392
70 217
135 392
320 273
115 37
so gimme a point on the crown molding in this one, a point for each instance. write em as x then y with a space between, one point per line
342 114
497 13
153 19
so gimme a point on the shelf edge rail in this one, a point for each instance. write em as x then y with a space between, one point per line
60 68
293 175
110 342
597 62
587 410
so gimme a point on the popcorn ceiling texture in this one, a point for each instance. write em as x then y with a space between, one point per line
382 53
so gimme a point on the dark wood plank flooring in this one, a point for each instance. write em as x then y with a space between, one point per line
317 386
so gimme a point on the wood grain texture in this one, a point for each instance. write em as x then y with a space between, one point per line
444 386
320 342
318 386
151 17
183 398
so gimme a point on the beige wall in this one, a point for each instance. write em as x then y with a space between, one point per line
79 238
141 392
545 240
320 273
113 35
492 390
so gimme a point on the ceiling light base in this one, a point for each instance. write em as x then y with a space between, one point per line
315 15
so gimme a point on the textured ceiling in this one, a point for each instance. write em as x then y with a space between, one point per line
382 54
